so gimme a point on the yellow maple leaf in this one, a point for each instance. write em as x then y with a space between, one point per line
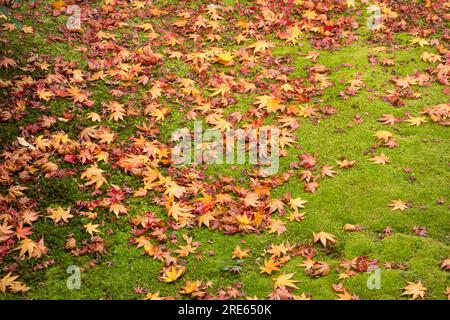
324 238
284 280
398 205
270 266
271 103
420 41
59 214
415 290
381 159
91 228
260 46
44 94
238 253
296 203
172 273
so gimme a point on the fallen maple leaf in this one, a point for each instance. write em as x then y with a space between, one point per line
59 214
415 290
270 266
430 57
381 159
284 281
420 41
398 205
91 228
345 163
446 264
324 238
416 121
172 273
238 253
296 203
261 46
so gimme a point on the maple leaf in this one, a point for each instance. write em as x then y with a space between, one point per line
327 171
324 238
7 62
9 26
420 41
260 46
345 163
307 160
430 57
271 103
238 253
44 95
185 250
302 296
21 232
381 159
176 211
384 135
307 264
352 227
276 226
296 203
6 281
446 264
221 90
117 110
311 187
251 200
350 3
296 216
225 58
284 281
279 250
153 296
415 290
310 14
416 121
318 269
59 214
275 205
389 119
172 273
205 219
9 282
57 4
117 208
270 266
94 175
77 95
91 228
145 27
345 295
5 231
388 62
190 287
356 83
312 56
398 205
27 246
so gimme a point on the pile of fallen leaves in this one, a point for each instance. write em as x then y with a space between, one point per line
217 78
